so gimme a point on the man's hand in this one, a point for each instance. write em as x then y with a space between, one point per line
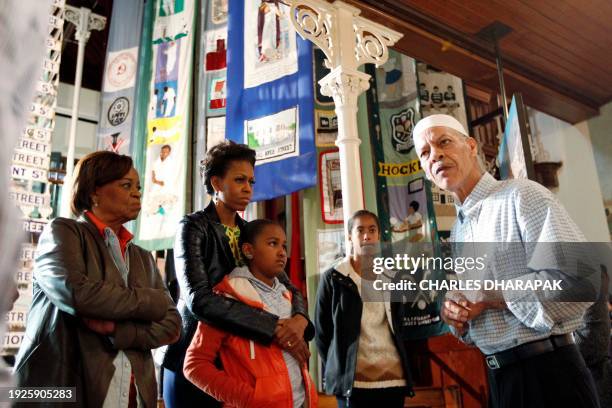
476 309
456 315
103 327
459 312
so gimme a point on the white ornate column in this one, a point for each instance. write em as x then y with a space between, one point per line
85 21
348 41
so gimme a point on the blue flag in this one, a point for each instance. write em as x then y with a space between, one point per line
270 96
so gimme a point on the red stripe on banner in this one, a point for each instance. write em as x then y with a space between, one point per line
296 270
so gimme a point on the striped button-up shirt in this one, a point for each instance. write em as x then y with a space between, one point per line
521 214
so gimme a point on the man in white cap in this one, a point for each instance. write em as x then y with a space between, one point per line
529 347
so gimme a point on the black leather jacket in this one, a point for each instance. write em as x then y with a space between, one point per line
75 277
202 257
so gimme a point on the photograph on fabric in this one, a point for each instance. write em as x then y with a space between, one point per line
163 100
270 46
440 92
273 137
161 197
326 131
408 207
167 65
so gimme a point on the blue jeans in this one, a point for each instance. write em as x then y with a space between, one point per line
180 393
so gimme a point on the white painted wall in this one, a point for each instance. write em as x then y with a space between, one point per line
89 108
600 128
579 188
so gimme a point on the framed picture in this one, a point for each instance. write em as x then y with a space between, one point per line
330 185
416 185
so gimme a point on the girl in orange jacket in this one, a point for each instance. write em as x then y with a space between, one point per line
254 375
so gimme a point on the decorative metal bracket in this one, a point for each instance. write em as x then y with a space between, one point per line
347 39
85 21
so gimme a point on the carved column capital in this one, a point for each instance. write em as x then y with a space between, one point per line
344 86
85 21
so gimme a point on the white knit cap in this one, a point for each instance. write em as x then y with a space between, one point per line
438 120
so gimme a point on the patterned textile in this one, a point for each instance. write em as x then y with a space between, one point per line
233 234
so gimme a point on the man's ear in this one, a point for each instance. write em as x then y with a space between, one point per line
473 146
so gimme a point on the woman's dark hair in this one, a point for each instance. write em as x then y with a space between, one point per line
218 160
359 214
250 231
93 171
414 205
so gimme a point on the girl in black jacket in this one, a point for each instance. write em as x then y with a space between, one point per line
364 360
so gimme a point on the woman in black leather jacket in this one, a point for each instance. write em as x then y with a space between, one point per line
206 249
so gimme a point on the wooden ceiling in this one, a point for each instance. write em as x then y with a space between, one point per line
558 55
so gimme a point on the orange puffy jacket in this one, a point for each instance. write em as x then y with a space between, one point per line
253 375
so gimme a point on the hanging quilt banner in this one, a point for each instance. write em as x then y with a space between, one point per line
212 89
168 124
119 82
404 201
270 96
